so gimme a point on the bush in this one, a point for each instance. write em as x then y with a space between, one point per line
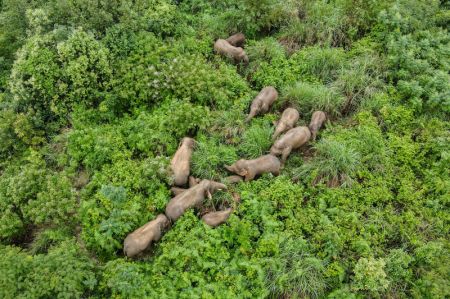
154 71
370 276
321 23
66 267
48 81
119 199
155 132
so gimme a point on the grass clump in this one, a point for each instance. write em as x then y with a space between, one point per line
257 139
209 158
334 164
309 97
296 273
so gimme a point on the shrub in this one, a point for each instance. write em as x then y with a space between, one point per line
322 63
9 140
311 64
96 146
54 203
47 81
253 17
265 50
359 81
154 71
19 185
70 271
65 266
370 275
121 278
162 130
119 199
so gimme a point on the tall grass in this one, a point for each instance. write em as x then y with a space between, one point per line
322 24
296 273
359 81
323 63
309 97
334 164
256 140
209 158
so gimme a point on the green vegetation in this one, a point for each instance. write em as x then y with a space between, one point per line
95 97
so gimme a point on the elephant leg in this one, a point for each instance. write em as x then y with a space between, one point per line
249 176
285 154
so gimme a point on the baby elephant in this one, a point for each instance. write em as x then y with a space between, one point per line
293 139
287 121
214 219
141 238
224 48
236 40
180 163
192 197
262 102
317 120
251 168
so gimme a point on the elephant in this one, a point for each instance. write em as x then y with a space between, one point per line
180 163
175 190
292 139
287 121
317 120
190 198
193 181
233 179
215 219
224 48
251 168
262 102
237 40
139 240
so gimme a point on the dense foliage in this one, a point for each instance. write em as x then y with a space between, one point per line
96 95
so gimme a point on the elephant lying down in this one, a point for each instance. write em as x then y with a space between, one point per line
192 197
217 218
251 168
293 139
141 238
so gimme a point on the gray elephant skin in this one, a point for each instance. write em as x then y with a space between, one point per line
190 198
293 139
139 240
251 168
262 102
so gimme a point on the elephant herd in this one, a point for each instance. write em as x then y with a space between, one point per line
287 137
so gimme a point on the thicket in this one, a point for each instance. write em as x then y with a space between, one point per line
96 95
